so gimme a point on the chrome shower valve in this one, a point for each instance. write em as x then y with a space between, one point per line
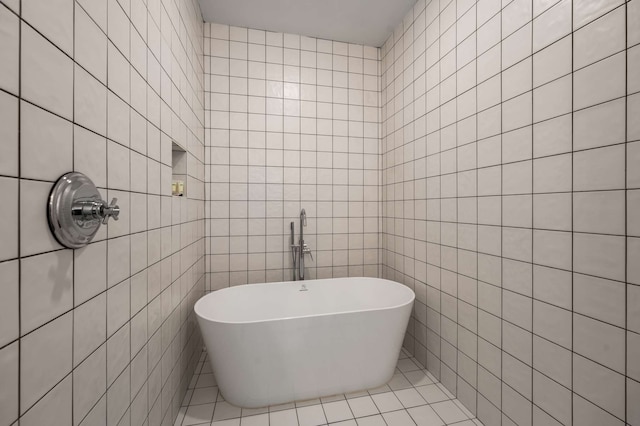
76 210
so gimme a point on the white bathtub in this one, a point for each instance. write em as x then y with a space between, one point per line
272 343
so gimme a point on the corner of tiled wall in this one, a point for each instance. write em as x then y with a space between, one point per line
104 334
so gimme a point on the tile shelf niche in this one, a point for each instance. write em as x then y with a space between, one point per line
178 170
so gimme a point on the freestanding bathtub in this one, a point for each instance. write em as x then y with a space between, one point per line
281 342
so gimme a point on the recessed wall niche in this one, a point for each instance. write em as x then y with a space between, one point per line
178 170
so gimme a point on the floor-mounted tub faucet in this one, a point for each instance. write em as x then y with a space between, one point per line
299 250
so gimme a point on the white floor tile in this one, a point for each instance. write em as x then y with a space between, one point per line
398 418
198 414
337 411
432 393
363 406
283 418
376 420
410 398
259 420
386 402
311 416
425 416
449 412
225 411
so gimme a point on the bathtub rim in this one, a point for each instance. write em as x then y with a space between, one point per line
207 318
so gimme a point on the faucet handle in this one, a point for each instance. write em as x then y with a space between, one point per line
307 250
110 210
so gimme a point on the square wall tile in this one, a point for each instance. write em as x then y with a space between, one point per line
90 101
599 255
586 412
552 25
599 341
600 38
10 48
552 397
600 82
552 323
599 169
600 299
552 285
89 327
599 212
552 211
46 144
599 385
90 271
54 405
46 74
552 174
599 125
90 45
553 137
586 11
118 306
46 288
39 374
552 248
53 19
552 360
9 135
90 155
552 62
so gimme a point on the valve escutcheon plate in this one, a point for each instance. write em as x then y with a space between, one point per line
72 188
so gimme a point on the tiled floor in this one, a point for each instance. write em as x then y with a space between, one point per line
413 397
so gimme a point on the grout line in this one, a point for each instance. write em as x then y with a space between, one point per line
19 219
627 408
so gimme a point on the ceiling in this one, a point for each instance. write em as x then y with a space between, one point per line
368 22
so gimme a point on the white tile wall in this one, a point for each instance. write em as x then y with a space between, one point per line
509 203
292 123
104 334
482 149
